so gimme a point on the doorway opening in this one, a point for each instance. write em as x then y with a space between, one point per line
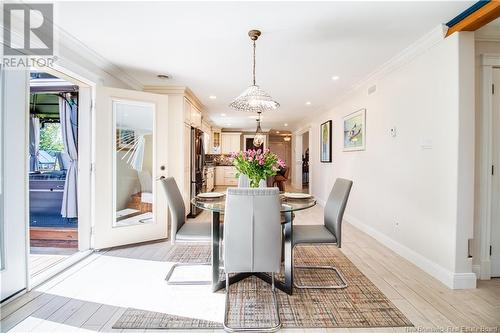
53 171
305 162
280 143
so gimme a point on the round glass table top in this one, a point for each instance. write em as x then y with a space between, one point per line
287 204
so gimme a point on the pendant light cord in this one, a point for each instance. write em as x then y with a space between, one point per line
254 45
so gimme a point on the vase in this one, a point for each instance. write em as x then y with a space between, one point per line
245 181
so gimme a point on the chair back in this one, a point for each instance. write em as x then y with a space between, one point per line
335 207
175 205
252 230
287 173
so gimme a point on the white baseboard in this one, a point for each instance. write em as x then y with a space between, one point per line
450 279
476 269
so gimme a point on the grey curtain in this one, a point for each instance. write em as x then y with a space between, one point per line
68 118
34 142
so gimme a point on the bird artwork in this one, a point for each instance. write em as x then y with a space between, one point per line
354 131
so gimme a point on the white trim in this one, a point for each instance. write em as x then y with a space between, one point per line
450 279
488 61
420 46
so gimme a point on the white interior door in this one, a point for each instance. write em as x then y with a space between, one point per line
130 156
495 204
297 161
13 165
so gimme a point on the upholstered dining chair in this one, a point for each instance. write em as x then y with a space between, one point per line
279 180
180 231
328 233
252 240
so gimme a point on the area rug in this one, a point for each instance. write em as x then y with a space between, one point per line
361 304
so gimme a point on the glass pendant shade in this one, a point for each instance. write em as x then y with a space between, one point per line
259 137
254 99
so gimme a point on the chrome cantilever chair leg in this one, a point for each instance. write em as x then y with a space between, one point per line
332 286
251 329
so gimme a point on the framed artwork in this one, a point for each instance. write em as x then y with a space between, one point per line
355 131
325 150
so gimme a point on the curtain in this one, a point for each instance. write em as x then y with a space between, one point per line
34 142
68 118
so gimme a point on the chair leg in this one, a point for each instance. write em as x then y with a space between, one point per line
253 329
185 283
334 286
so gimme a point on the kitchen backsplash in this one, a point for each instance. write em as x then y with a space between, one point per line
218 159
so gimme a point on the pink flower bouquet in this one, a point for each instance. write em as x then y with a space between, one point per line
257 165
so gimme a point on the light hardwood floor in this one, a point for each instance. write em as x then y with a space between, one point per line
92 295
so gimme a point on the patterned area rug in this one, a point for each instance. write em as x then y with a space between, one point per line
361 304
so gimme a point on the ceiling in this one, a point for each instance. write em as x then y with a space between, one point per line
204 45
490 31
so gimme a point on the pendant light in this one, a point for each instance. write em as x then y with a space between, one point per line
259 137
254 99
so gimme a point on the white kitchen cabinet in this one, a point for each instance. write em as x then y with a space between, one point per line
187 111
210 179
225 176
195 117
230 142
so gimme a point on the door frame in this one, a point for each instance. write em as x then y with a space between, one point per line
488 63
297 172
86 129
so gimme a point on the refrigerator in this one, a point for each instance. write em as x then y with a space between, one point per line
198 171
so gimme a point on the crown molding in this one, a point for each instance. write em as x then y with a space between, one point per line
176 90
420 46
74 54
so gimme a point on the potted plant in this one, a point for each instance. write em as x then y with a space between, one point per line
257 165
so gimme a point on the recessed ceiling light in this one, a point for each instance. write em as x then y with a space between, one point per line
212 97
335 78
228 124
285 124
308 103
223 114
163 76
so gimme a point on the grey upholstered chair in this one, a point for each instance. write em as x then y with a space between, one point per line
252 239
330 232
181 231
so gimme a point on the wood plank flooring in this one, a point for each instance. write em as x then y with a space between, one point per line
92 295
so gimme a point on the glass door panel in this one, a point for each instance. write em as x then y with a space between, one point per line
133 164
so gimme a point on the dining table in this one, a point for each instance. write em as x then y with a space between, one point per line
216 205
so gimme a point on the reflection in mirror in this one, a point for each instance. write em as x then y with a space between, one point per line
133 163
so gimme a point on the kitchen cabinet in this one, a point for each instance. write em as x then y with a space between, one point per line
210 179
195 117
230 142
225 176
215 141
192 115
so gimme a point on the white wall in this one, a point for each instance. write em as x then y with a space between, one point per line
405 190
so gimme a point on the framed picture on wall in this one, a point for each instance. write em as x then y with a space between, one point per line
355 130
325 150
